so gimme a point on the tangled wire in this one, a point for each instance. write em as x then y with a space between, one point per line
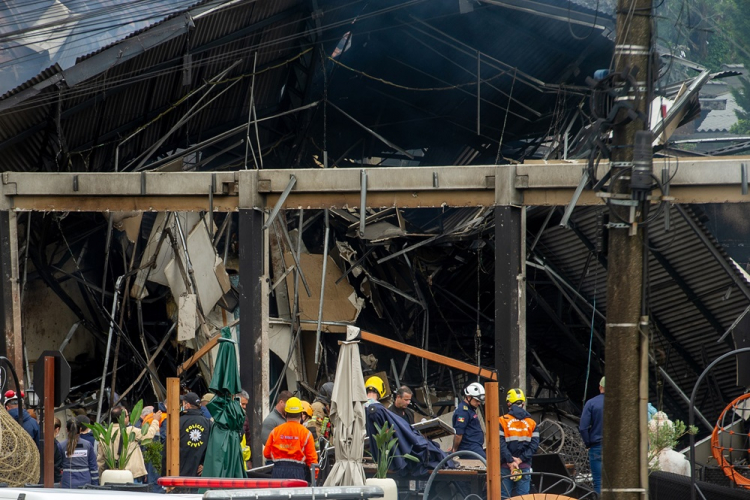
559 437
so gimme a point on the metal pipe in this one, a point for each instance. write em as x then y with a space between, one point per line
248 145
280 202
224 135
23 287
118 283
479 93
378 136
189 114
322 287
362 202
542 229
298 274
295 255
227 237
255 112
110 222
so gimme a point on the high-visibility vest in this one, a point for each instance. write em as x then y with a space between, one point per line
291 442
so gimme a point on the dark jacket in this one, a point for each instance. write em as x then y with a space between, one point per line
194 432
88 437
404 413
58 462
592 420
205 412
29 424
80 468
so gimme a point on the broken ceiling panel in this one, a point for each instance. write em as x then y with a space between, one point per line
337 305
206 264
158 242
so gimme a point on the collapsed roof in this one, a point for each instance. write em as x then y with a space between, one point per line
277 84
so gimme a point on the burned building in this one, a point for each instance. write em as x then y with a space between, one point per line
294 167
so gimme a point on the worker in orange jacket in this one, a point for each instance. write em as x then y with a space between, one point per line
519 440
290 445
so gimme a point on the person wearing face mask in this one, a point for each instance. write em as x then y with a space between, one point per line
194 432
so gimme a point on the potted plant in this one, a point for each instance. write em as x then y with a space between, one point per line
115 443
386 442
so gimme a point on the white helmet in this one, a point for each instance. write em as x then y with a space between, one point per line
475 390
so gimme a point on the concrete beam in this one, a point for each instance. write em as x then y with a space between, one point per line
699 180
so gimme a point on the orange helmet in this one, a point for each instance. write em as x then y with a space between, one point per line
307 408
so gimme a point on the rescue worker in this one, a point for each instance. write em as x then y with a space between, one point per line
401 403
290 445
29 424
375 388
321 405
469 435
307 413
591 426
519 441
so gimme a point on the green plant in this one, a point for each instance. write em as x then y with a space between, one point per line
152 455
107 438
665 436
386 441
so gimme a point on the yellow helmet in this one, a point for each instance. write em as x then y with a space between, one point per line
293 406
307 408
515 395
377 384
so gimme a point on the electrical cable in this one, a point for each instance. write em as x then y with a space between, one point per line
591 339
593 24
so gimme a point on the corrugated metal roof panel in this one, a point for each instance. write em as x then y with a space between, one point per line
44 75
690 304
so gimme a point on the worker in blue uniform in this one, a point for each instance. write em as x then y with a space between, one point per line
469 435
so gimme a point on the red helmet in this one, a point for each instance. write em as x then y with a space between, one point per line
11 394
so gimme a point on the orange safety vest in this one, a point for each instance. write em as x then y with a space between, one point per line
518 430
291 442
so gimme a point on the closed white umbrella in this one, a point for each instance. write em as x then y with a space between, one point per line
348 416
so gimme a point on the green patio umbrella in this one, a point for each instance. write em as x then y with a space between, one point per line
224 454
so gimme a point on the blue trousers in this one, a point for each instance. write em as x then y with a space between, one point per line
595 460
512 488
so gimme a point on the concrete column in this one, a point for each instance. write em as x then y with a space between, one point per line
510 296
11 343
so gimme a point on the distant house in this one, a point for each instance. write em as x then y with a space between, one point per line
718 107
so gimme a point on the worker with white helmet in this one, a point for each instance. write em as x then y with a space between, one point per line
469 435
519 440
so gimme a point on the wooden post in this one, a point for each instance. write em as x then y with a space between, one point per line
173 426
492 419
49 421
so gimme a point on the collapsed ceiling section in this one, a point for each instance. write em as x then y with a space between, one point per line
292 83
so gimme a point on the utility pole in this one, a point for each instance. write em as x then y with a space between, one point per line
624 471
